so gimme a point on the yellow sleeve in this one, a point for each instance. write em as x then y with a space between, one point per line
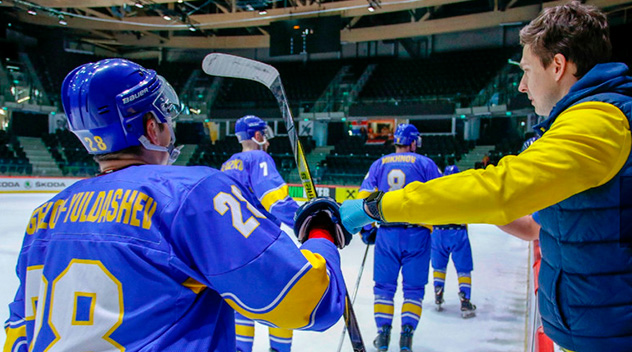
587 145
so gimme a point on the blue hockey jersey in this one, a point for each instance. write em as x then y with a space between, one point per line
396 170
155 258
256 170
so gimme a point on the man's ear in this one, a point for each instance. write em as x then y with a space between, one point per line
259 136
151 130
561 66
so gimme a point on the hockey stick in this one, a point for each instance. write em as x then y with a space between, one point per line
355 293
224 65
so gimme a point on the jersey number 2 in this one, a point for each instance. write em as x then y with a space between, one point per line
224 201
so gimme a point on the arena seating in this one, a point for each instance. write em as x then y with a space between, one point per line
303 85
214 155
70 154
13 160
459 75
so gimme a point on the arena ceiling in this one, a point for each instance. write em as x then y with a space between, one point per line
237 24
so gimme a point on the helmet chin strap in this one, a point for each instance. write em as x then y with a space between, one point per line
260 144
171 149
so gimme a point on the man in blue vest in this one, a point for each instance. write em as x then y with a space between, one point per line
578 174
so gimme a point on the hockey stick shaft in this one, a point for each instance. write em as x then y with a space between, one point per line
224 65
355 293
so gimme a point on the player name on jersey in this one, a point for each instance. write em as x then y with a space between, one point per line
399 158
128 207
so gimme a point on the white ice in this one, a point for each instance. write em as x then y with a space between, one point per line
499 289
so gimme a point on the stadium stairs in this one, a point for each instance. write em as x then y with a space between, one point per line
475 155
186 153
43 163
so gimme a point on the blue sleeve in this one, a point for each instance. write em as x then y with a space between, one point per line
271 190
536 217
370 180
432 170
16 326
235 248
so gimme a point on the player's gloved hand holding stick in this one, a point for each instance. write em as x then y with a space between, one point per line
320 218
359 212
368 233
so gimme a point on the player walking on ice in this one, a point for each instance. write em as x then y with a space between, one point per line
254 168
154 257
399 246
453 240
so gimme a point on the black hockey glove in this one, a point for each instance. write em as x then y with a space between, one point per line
324 214
368 233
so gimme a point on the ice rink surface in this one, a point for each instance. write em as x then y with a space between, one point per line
499 289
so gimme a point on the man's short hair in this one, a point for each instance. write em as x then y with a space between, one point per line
577 31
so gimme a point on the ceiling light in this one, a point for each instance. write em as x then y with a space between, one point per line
139 4
371 8
191 28
62 21
166 17
179 1
31 12
263 12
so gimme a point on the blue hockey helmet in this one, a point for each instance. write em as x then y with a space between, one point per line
406 134
105 102
246 127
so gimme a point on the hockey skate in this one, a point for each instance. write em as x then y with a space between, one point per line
406 339
439 297
383 339
468 310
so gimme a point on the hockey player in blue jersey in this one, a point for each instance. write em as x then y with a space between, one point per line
254 168
150 257
400 246
453 240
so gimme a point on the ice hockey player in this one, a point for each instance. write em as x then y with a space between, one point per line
254 168
399 246
577 175
452 240
150 257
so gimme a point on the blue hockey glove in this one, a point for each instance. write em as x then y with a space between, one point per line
368 233
320 214
354 216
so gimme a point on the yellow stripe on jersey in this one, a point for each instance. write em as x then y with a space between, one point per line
587 145
282 333
12 336
364 194
194 285
439 275
295 309
465 280
275 195
383 308
412 308
245 330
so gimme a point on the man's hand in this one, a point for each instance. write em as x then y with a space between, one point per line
359 212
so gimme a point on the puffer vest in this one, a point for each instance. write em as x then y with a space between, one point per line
585 294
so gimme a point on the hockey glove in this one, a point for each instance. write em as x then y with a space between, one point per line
368 233
354 215
320 217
